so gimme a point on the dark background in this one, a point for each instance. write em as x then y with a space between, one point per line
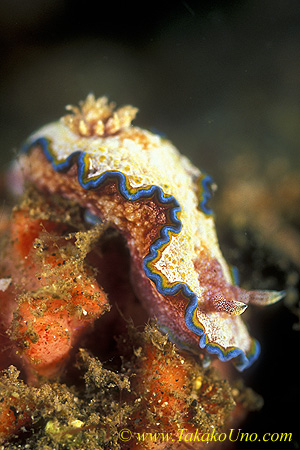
219 78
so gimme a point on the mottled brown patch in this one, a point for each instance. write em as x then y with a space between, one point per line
139 221
218 295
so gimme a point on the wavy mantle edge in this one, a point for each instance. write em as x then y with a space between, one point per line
80 157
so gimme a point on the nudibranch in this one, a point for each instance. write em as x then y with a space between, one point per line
155 197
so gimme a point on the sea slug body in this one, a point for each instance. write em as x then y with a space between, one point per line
158 200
